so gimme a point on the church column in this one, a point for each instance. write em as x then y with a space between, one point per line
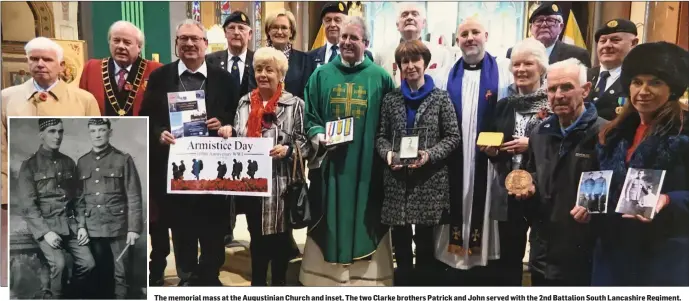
297 8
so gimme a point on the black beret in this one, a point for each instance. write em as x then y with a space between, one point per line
236 17
99 121
667 61
546 9
44 123
334 7
616 25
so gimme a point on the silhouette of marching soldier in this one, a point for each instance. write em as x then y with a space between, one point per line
222 170
196 168
182 169
175 171
252 168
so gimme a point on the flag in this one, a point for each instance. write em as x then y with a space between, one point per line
572 33
320 39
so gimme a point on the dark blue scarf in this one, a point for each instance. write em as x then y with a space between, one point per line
487 97
413 99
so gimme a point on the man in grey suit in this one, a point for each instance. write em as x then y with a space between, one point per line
546 24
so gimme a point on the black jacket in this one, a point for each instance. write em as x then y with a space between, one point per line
561 248
300 69
563 51
608 101
248 82
221 102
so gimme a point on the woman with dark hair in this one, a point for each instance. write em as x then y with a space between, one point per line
650 132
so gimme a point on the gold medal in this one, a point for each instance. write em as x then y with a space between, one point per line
618 110
518 182
121 112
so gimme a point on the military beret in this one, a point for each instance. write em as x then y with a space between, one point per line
546 9
616 25
236 17
334 7
99 121
44 123
667 61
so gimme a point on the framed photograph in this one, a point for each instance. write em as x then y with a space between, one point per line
640 192
406 145
594 190
15 70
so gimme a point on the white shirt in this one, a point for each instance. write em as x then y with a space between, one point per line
241 64
549 50
117 71
181 67
329 51
614 75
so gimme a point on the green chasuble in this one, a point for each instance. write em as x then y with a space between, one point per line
350 226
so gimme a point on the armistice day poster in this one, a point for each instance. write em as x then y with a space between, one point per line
214 165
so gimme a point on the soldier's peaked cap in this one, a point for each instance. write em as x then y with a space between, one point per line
616 25
44 123
99 121
546 9
334 7
237 17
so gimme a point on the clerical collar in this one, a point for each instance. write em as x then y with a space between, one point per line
40 89
347 64
181 67
476 66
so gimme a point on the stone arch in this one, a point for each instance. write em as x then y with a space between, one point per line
44 25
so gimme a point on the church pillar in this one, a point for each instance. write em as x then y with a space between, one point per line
297 8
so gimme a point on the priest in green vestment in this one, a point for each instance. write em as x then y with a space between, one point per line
347 244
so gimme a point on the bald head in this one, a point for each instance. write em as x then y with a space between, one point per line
411 20
471 38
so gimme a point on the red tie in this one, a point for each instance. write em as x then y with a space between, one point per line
121 79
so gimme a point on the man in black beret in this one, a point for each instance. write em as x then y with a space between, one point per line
546 25
613 41
237 59
332 16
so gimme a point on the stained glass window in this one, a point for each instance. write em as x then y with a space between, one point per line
196 10
225 11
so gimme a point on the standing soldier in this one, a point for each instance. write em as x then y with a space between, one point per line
47 190
113 210
119 82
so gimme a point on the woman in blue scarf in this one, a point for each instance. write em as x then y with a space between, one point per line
417 190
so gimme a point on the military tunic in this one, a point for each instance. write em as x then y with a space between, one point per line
47 188
112 207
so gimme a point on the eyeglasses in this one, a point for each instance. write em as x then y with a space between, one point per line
193 39
276 28
547 21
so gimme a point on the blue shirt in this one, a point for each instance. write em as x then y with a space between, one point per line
573 125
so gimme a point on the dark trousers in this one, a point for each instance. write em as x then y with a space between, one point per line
105 251
83 265
408 274
192 269
538 279
509 269
274 249
160 249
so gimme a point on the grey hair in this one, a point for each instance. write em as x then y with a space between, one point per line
358 21
569 64
402 6
43 43
140 38
534 49
195 23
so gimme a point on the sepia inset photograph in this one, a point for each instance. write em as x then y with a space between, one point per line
78 207
594 189
641 192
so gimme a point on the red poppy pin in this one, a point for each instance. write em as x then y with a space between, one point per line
127 87
43 96
543 113
488 94
144 84
433 66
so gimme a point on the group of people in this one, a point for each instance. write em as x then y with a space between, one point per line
558 117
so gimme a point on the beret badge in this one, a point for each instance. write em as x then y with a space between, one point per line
341 7
555 8
612 24
243 17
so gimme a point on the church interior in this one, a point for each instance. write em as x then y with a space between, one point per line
81 28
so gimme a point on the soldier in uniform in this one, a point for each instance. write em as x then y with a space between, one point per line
47 188
614 40
113 207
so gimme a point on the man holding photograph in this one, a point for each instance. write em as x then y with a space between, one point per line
111 190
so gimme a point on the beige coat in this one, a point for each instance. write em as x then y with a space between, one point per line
18 101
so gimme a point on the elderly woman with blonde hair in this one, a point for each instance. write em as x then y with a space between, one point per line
281 31
516 116
270 112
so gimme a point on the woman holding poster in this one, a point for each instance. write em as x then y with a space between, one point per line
650 133
270 112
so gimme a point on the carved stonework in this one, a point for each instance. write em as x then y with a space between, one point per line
43 21
65 11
